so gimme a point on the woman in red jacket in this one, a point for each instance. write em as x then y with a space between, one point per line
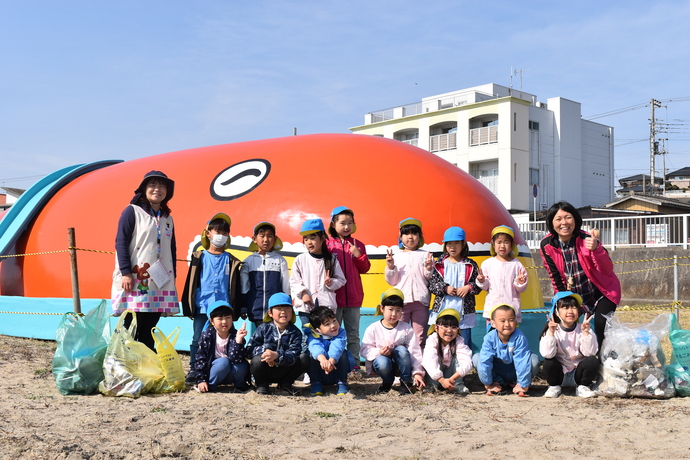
576 261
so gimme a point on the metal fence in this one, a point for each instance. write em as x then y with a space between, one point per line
617 232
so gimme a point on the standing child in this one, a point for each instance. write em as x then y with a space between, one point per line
213 275
505 357
409 270
503 276
353 260
453 282
264 272
316 274
221 356
391 346
329 361
446 357
569 348
275 349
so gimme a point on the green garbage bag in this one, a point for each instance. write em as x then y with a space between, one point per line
678 370
81 346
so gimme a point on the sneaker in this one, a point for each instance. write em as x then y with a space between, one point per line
460 389
383 389
191 377
289 389
241 389
584 392
342 389
316 389
553 391
262 390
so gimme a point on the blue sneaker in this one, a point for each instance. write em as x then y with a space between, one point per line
342 389
316 389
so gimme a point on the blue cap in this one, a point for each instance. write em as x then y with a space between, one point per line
312 226
454 234
279 299
219 303
340 210
563 295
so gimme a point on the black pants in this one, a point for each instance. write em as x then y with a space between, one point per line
604 307
585 372
145 321
282 375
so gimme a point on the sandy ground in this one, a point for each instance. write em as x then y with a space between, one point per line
36 422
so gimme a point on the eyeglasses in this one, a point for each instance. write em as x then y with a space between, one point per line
453 328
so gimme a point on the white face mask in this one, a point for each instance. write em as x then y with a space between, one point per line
218 240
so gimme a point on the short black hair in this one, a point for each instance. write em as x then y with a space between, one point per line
223 310
502 308
218 225
320 314
411 229
264 228
393 301
562 206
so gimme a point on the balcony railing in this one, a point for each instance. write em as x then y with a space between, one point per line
411 142
483 136
441 142
490 182
625 231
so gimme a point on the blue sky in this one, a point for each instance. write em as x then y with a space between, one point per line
87 81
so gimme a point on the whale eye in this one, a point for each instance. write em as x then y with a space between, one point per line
239 179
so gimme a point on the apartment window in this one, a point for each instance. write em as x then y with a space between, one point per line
533 125
514 121
533 176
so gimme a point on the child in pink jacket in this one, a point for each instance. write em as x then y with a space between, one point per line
409 270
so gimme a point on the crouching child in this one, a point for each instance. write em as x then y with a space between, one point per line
505 357
275 348
221 356
329 361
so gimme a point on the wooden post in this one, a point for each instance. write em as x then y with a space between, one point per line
73 269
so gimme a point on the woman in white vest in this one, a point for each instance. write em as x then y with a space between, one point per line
145 254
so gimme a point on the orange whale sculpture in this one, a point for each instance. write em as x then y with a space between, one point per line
283 181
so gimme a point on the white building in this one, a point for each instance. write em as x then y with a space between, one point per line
509 141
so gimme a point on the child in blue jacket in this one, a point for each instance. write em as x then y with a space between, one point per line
329 361
275 349
221 357
505 357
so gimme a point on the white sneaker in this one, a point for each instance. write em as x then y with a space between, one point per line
553 392
584 392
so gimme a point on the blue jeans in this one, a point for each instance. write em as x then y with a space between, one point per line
399 360
225 372
343 366
466 335
199 322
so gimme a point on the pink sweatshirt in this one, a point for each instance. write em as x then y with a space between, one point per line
377 336
410 276
431 364
569 348
501 285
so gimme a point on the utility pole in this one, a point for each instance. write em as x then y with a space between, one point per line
653 145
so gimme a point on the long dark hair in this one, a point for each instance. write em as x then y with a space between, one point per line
563 206
327 256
